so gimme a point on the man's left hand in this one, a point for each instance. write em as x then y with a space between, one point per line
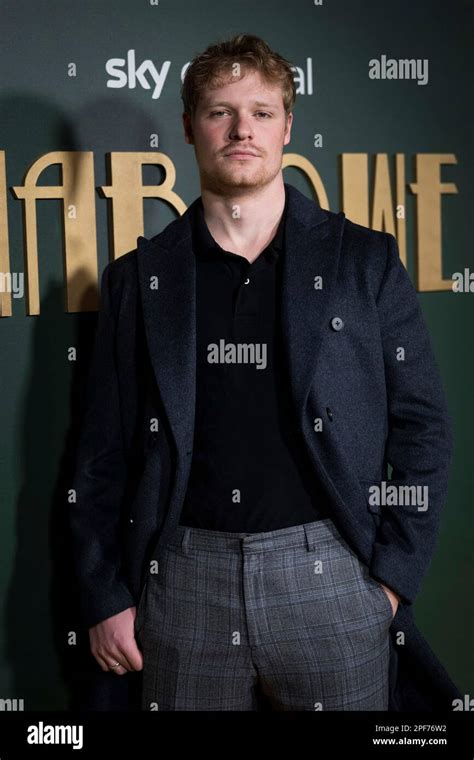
394 598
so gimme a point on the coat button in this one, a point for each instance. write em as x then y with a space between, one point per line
337 323
131 521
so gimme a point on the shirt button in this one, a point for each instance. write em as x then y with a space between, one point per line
246 282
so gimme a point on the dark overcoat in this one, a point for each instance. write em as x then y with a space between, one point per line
360 359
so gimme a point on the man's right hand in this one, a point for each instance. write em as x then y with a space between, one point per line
113 640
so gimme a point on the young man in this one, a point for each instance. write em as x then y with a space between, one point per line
258 366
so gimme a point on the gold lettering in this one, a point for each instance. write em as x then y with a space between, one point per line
127 192
355 195
428 188
5 297
355 187
79 232
300 162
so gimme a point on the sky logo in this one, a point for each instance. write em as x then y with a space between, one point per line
124 71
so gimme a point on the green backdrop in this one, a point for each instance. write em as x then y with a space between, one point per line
43 109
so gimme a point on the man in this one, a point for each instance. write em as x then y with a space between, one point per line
259 365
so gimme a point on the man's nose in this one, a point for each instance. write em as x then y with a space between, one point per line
240 128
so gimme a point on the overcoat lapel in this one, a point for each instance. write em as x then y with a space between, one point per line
313 244
167 282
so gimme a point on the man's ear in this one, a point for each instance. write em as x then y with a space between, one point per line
289 122
188 128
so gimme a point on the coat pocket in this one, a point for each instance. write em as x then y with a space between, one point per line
372 506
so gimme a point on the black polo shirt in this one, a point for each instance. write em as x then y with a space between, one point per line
249 471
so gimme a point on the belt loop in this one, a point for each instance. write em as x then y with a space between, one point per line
310 540
185 541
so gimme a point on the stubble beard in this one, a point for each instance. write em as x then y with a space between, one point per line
235 181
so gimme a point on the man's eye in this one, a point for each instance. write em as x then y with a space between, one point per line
259 113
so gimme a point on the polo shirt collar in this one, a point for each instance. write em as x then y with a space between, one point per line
207 248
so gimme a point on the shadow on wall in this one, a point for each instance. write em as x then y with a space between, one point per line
42 607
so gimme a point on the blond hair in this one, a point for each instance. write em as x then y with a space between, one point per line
211 69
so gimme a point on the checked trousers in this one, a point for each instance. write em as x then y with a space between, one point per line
291 617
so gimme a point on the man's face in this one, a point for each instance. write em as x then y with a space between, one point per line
244 115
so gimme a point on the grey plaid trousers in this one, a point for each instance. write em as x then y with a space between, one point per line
290 613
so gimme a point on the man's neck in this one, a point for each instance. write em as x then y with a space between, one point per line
244 224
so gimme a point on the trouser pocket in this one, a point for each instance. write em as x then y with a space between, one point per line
140 609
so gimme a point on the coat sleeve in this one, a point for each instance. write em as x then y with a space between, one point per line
420 440
99 480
